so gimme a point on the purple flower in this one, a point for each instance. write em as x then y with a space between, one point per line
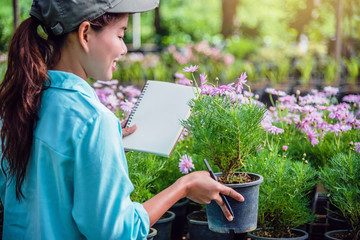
186 164
184 81
191 68
222 89
242 80
274 130
203 79
313 99
352 98
284 148
126 106
131 91
312 135
357 147
272 91
179 75
330 91
206 89
287 100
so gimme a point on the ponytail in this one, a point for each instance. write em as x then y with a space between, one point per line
30 56
20 95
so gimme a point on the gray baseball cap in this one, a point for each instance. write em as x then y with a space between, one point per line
63 16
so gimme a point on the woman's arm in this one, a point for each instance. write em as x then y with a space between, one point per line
197 186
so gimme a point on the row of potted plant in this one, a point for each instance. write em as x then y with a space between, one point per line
291 145
224 61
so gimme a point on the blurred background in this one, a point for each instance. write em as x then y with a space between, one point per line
284 44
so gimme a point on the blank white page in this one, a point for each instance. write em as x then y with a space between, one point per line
158 114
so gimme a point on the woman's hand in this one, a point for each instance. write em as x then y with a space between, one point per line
197 186
127 131
201 188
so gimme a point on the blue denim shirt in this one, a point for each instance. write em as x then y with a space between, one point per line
77 184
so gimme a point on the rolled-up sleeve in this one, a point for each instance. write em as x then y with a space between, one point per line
102 206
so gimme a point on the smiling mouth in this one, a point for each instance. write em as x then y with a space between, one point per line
114 64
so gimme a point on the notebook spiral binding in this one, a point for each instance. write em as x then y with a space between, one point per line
136 105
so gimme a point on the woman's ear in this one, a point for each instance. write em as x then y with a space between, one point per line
83 34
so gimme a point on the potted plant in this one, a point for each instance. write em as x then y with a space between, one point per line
198 228
284 196
225 129
341 180
144 170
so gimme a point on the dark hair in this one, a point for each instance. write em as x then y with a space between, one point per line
30 56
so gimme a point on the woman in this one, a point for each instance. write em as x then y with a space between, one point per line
64 171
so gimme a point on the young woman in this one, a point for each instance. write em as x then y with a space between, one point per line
64 172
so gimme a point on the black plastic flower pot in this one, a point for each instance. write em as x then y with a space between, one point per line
152 234
335 235
180 210
245 213
163 226
335 222
199 228
301 235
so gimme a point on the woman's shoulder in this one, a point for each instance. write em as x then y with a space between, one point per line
73 95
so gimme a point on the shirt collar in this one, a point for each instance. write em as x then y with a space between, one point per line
70 81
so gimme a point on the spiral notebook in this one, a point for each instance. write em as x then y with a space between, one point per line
158 114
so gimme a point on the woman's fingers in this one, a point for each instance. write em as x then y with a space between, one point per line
232 193
223 207
128 131
229 192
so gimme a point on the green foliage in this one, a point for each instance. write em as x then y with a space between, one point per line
144 170
330 70
225 132
352 67
341 180
305 66
300 148
240 47
184 24
284 194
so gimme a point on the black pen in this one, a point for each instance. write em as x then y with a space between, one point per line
222 195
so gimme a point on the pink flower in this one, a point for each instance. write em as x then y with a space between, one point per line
330 91
274 130
241 81
357 147
312 135
126 106
352 98
272 91
186 164
203 79
284 148
222 89
131 91
179 75
206 89
191 68
184 81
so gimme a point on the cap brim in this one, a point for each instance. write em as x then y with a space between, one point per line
134 6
